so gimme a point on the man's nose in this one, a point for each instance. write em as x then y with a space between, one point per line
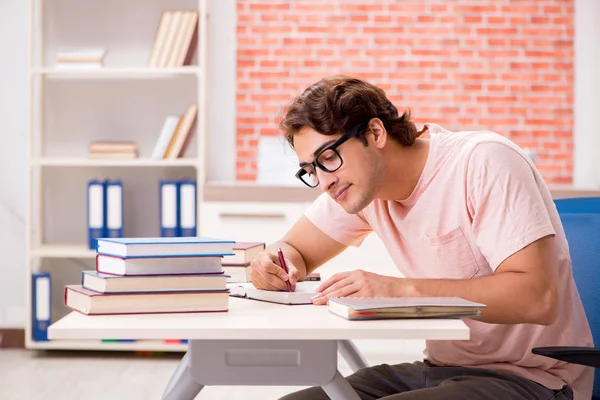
326 179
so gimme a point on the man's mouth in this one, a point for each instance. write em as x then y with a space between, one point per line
341 194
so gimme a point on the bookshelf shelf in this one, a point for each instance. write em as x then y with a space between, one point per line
128 98
63 251
115 73
140 345
114 162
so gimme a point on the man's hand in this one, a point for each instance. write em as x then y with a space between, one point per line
361 283
267 274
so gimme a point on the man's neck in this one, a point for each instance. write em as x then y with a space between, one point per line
404 166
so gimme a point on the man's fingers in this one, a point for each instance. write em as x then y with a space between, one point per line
331 281
344 291
267 282
276 270
337 285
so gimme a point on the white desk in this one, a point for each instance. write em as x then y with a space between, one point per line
257 343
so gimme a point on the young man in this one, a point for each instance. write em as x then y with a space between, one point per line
462 214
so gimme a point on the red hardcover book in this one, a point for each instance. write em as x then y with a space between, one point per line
89 302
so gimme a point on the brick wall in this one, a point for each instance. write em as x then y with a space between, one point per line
495 64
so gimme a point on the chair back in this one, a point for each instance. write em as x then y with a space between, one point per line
578 205
583 235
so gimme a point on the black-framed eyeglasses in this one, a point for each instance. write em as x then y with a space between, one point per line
328 159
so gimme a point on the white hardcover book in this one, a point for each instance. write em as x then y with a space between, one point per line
165 136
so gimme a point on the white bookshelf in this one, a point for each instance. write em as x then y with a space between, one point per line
140 345
104 162
115 73
123 100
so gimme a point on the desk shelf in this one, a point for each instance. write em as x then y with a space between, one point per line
139 345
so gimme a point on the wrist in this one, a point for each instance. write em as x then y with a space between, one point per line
409 287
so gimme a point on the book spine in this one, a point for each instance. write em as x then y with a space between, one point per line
96 212
187 208
169 208
41 301
114 209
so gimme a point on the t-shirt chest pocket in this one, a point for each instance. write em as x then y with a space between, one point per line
451 256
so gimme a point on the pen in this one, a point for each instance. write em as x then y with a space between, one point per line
284 266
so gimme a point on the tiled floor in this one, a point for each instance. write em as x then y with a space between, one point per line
27 375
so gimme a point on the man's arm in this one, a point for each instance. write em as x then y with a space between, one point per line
524 288
305 248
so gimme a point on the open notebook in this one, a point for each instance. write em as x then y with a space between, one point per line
302 295
356 308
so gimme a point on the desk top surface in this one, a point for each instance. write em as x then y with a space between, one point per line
250 319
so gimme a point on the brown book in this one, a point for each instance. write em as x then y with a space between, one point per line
182 134
244 253
122 154
179 41
89 302
238 274
161 33
189 41
112 146
168 43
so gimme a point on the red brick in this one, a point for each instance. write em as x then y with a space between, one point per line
500 65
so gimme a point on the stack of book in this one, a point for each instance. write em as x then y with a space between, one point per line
154 275
238 266
113 150
80 58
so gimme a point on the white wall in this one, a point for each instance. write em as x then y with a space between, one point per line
587 94
13 114
13 91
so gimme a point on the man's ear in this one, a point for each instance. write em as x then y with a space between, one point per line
379 133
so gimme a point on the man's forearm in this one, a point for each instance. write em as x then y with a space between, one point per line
510 298
291 254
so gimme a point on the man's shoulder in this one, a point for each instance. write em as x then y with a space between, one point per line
479 145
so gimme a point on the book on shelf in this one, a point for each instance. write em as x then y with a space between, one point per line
175 40
357 308
177 205
112 150
132 266
80 58
165 135
104 210
182 134
41 301
164 246
302 295
105 283
90 302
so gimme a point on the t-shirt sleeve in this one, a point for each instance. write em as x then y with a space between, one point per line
505 202
335 222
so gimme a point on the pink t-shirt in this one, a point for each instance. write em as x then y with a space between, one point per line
478 201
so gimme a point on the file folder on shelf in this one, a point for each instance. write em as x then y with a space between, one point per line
114 209
41 291
96 211
169 208
187 208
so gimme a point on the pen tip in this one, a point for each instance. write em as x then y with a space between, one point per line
278 248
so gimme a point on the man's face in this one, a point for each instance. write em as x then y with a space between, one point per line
356 183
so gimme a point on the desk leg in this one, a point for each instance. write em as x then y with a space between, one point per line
182 386
351 354
339 389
